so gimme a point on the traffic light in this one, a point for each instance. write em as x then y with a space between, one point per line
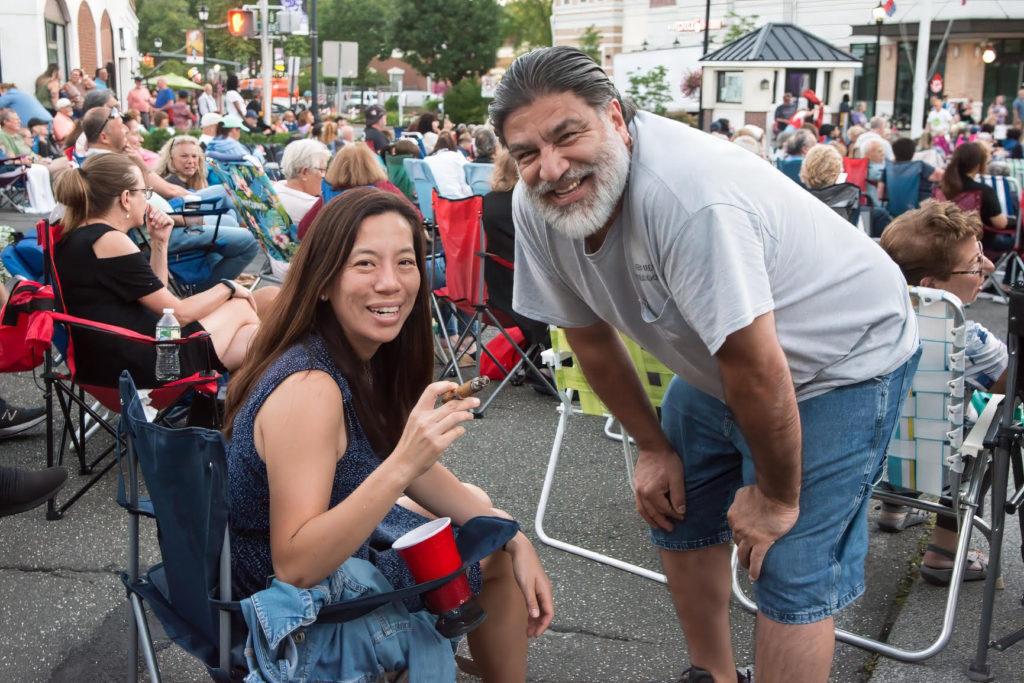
241 23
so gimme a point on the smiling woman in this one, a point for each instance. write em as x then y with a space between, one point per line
333 422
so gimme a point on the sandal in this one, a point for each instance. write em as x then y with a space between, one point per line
977 567
896 518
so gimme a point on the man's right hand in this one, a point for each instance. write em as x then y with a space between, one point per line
660 487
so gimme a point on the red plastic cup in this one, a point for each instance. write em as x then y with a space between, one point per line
431 553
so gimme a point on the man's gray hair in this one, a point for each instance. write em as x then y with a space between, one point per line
6 114
98 98
801 141
878 123
550 71
303 154
485 141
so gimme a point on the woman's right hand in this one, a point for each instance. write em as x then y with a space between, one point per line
429 430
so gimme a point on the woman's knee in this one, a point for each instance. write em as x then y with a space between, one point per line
479 494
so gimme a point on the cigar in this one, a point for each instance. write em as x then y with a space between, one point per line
465 390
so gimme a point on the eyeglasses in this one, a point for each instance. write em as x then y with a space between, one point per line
114 114
147 192
978 264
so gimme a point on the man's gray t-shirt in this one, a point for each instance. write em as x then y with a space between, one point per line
709 238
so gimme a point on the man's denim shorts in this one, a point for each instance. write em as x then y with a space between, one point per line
818 567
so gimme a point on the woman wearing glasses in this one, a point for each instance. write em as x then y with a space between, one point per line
938 246
105 278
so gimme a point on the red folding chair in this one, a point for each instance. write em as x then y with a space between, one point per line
460 224
35 331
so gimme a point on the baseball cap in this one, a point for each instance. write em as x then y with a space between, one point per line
63 102
36 122
211 118
373 114
232 121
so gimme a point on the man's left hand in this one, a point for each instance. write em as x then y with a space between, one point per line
757 522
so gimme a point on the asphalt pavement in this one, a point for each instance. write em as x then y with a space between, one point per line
63 608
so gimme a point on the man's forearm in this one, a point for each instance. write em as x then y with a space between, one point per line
610 372
765 408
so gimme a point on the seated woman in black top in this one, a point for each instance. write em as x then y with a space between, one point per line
104 277
501 241
959 186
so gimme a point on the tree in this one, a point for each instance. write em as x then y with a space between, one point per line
449 39
738 25
650 90
371 24
463 102
590 43
527 23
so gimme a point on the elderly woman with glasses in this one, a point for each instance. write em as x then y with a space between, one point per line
105 278
12 144
304 164
938 246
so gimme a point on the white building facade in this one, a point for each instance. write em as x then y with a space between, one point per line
83 34
674 28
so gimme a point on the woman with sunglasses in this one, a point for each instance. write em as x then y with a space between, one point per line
105 278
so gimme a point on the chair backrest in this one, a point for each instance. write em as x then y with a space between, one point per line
1016 167
397 175
856 172
478 177
903 186
460 224
259 208
843 198
185 473
931 426
1007 190
791 167
24 257
968 201
423 180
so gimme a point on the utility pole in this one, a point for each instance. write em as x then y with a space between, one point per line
314 71
268 59
707 21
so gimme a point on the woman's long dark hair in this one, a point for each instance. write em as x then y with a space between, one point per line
385 388
966 158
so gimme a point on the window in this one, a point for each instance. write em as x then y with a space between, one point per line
56 46
865 78
730 86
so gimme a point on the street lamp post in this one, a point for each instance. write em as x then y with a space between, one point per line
878 14
203 13
158 42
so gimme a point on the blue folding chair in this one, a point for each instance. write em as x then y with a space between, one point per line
423 180
24 257
478 177
791 168
189 591
1009 262
903 186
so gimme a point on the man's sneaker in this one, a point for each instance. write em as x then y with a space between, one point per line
14 420
22 490
695 674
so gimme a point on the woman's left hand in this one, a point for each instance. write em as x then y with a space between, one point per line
159 225
534 583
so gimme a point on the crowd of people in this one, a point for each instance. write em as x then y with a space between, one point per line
769 436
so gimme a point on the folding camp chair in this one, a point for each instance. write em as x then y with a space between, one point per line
13 184
1008 191
571 384
36 331
843 198
929 451
24 257
902 186
478 177
423 180
260 209
791 169
397 175
460 224
188 269
189 591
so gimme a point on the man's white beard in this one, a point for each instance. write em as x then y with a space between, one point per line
608 175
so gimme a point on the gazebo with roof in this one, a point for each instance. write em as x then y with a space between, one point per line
745 80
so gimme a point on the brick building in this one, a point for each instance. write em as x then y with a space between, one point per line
81 34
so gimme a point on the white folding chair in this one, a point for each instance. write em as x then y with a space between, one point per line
1007 189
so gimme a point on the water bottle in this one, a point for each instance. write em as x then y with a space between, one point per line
168 360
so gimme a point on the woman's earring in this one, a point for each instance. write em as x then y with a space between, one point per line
323 297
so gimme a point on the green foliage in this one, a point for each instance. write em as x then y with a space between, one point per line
156 138
650 90
391 104
449 39
738 25
464 104
371 24
527 23
590 43
253 138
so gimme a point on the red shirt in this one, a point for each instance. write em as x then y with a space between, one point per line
181 115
